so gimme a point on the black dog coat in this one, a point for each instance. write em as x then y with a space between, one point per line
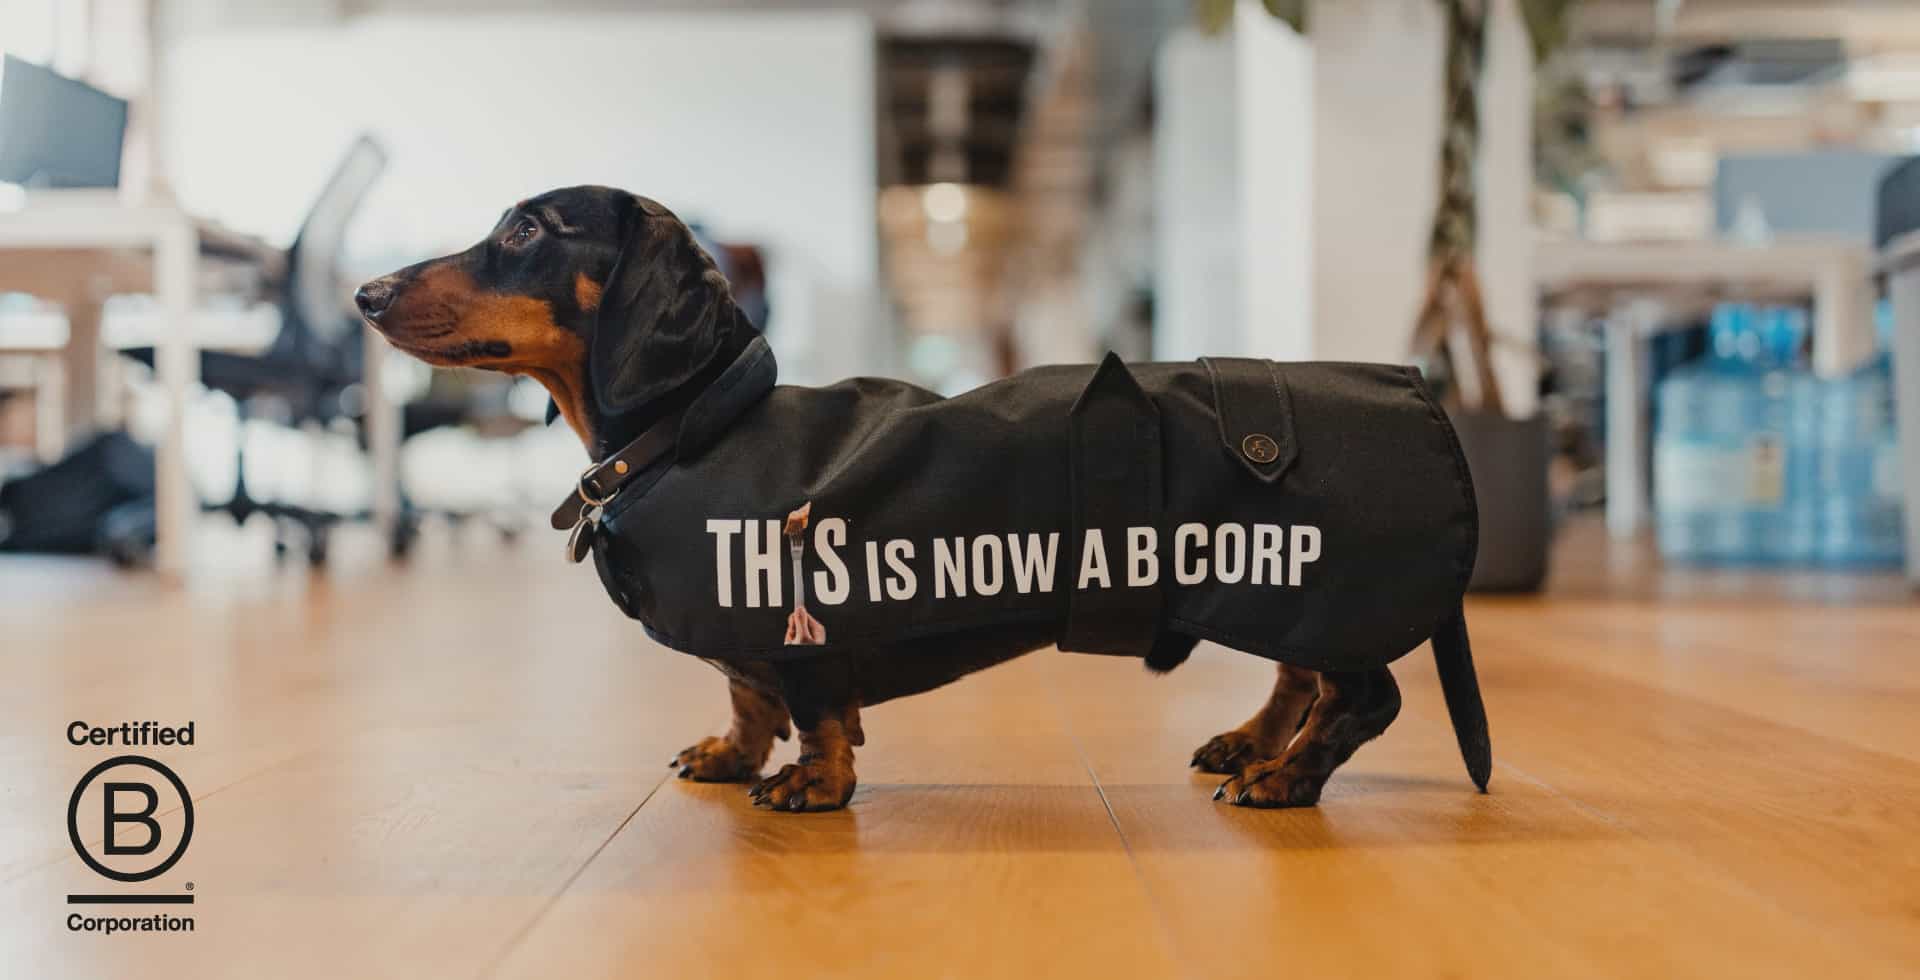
1316 514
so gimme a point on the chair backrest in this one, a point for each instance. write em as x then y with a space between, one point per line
317 322
1898 205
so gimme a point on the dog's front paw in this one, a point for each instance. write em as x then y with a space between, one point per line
808 785
1228 752
1271 784
716 760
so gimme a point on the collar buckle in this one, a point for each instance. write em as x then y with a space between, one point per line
586 496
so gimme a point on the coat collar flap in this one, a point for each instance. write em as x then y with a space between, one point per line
738 388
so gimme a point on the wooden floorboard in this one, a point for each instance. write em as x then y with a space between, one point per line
458 770
1411 873
1776 805
977 846
1848 676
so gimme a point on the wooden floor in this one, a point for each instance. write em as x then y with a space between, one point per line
459 770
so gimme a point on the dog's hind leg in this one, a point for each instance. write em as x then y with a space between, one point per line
1265 735
1353 708
826 709
737 756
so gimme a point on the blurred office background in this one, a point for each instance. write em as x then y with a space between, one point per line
1666 252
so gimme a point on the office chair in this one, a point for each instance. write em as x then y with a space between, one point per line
314 359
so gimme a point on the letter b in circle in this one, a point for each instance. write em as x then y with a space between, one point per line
111 818
135 822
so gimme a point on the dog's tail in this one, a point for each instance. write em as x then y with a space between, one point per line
1454 657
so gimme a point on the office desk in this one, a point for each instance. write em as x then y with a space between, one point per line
71 226
174 242
1634 283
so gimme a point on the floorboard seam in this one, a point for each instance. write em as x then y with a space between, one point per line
59 855
1728 878
520 936
1632 679
1644 689
1160 922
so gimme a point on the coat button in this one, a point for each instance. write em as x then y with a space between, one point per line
1260 448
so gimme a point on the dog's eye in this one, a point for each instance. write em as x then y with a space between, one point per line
523 232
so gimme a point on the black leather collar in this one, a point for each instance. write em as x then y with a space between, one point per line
738 388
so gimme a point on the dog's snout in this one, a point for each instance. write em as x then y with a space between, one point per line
373 298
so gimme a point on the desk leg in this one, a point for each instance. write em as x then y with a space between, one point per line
1628 438
177 363
383 435
82 360
50 408
1904 289
1843 335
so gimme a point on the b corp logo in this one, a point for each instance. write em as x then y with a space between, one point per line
128 793
121 822
129 799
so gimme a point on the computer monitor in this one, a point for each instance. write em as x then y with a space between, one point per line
57 132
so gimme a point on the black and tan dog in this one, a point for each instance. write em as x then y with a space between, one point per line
539 297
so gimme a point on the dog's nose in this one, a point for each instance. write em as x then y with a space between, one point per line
373 298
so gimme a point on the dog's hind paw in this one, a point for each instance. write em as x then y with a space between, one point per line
806 786
1268 785
1228 752
715 760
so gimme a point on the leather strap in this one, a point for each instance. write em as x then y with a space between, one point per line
604 479
740 386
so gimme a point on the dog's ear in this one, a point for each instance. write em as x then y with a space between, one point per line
663 316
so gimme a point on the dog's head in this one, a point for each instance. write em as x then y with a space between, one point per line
601 295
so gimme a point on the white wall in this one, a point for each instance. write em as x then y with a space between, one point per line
760 126
1233 189
1278 186
1296 184
1197 308
1376 138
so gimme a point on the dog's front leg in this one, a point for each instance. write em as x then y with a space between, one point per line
738 755
819 693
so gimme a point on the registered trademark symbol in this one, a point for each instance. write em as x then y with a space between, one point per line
189 886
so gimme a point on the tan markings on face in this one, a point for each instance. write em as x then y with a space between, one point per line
430 301
525 324
568 386
540 348
424 319
443 319
446 278
586 292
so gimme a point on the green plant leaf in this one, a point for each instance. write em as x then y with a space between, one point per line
1214 15
1547 22
1294 12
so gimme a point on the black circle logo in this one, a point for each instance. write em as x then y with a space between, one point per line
113 818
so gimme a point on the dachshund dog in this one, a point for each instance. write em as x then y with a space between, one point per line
534 298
